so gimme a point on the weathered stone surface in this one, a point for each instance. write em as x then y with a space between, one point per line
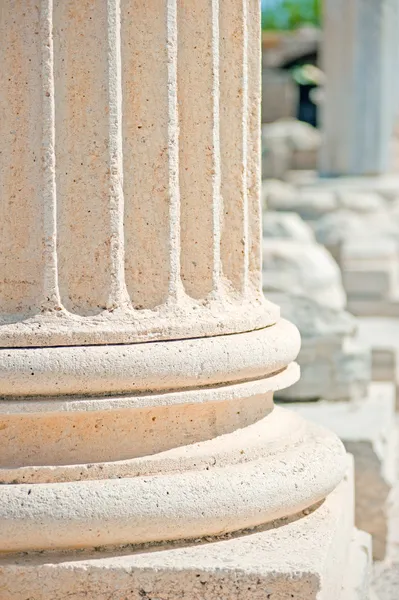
138 355
309 557
305 269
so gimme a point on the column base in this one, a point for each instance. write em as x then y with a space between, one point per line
316 554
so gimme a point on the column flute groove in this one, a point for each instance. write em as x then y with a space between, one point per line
142 410
175 284
51 300
118 296
245 146
217 175
142 171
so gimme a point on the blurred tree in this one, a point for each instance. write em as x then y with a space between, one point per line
290 14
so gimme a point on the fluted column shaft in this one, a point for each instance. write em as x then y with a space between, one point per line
129 171
130 247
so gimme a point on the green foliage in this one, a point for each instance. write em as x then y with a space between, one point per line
291 14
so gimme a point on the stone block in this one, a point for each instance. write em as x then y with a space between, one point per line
304 159
277 192
368 429
336 227
384 364
276 160
357 578
296 134
286 225
304 269
368 283
386 185
311 556
279 95
371 307
333 365
381 336
331 374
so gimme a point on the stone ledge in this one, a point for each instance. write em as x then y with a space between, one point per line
302 558
368 429
281 480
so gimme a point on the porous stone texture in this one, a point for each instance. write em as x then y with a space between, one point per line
333 365
367 427
303 269
130 248
314 555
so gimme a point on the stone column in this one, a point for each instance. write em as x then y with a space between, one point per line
360 60
137 355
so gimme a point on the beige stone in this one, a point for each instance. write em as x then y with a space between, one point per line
316 555
138 356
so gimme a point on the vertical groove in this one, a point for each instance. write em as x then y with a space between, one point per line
254 146
234 143
196 102
49 193
89 186
150 149
173 151
22 160
118 294
216 206
245 143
